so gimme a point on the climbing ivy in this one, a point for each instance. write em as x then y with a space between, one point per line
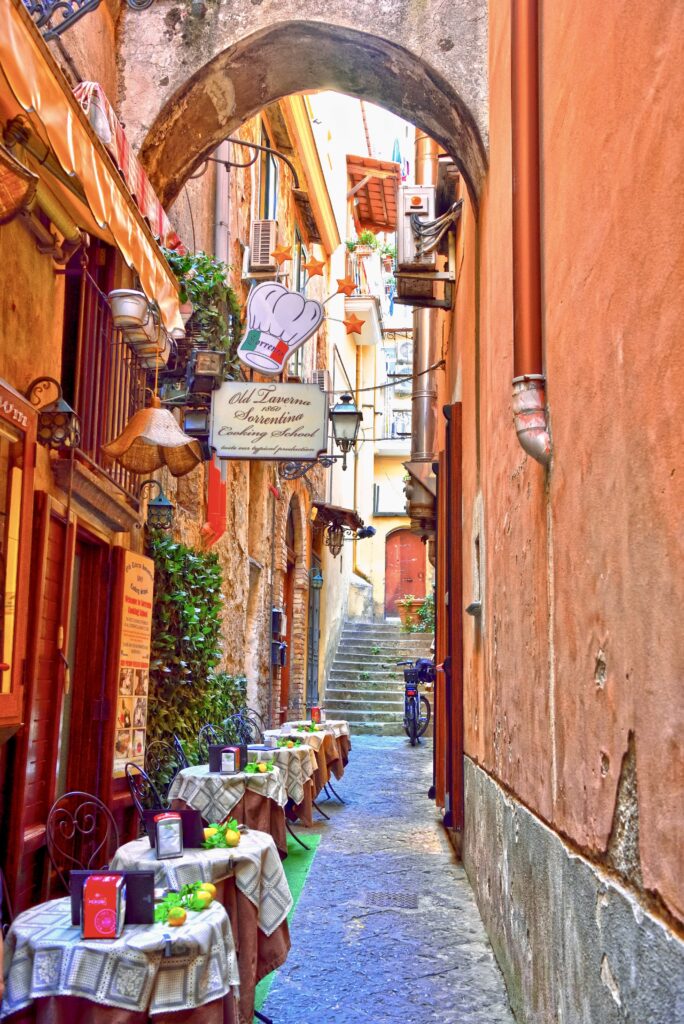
185 689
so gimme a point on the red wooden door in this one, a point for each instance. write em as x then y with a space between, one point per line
288 605
404 568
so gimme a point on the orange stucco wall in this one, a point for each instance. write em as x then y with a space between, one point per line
583 560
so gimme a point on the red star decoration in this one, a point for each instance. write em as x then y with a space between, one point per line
353 324
345 286
314 268
281 254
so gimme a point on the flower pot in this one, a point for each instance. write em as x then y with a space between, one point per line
407 610
129 308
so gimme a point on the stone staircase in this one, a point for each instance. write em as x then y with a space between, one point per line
365 686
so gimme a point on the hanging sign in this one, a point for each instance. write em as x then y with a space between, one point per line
269 421
278 323
133 678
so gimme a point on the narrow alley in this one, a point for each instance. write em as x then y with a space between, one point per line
387 928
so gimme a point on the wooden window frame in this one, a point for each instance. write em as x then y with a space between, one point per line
18 414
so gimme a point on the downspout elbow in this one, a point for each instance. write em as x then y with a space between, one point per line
530 417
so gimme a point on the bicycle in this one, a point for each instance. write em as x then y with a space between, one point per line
417 708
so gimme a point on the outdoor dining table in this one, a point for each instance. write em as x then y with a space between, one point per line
332 752
151 973
298 765
250 884
255 800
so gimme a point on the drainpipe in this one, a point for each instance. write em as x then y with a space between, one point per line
424 389
529 399
221 206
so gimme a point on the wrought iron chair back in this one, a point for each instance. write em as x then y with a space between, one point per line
80 833
6 913
162 764
143 790
257 723
182 756
207 735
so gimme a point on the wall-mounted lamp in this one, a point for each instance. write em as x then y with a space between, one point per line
205 370
315 578
59 427
160 510
346 420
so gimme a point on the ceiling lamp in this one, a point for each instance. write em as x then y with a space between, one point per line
151 440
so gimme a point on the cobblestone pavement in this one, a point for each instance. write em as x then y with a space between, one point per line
387 930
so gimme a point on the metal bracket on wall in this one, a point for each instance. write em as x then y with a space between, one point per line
67 12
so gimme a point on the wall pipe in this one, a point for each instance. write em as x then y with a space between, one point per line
529 390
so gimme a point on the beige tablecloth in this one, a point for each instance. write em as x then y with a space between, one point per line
332 753
215 795
251 885
46 957
298 765
255 863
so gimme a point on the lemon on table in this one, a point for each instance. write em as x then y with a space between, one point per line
290 743
177 916
262 766
209 832
232 837
208 887
202 896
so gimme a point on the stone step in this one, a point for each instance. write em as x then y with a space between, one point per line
357 702
375 681
377 649
389 657
364 715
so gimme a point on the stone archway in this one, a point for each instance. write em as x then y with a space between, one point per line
205 76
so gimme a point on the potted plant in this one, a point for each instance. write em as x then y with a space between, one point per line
388 254
407 607
129 308
204 287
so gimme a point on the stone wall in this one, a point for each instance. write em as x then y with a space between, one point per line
574 945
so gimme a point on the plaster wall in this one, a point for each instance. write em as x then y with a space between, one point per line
573 679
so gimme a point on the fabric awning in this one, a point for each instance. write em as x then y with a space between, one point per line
42 92
373 187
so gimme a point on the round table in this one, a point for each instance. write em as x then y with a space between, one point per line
250 884
151 972
255 800
298 765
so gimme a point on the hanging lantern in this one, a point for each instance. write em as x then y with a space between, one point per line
334 538
315 578
59 427
346 420
160 510
151 440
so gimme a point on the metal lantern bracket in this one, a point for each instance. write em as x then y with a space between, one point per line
160 510
59 427
71 11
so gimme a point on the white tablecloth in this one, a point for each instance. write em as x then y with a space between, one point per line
255 862
46 956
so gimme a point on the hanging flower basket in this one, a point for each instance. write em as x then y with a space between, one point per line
129 308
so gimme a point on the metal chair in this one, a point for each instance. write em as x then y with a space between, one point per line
162 764
182 756
80 833
6 912
207 735
144 792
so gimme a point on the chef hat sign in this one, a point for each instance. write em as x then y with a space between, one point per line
278 322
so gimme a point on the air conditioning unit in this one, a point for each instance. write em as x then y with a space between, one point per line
262 241
322 379
419 201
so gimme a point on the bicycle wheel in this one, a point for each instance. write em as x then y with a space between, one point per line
412 721
423 715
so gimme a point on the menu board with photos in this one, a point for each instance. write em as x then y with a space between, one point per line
133 676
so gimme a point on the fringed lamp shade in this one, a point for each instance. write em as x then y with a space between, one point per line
151 440
17 186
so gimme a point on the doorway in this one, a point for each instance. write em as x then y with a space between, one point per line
313 638
404 568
